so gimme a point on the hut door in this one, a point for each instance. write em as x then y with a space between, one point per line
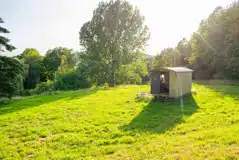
155 83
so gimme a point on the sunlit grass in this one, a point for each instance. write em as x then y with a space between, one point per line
113 124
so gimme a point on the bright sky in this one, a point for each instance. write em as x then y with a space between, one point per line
45 24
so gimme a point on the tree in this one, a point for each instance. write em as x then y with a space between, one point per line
133 73
170 57
4 42
213 50
12 75
11 70
68 62
112 38
184 52
158 61
214 43
33 59
54 59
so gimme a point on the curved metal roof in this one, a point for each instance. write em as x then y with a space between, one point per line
178 69
174 69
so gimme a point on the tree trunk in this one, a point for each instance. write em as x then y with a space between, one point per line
112 75
112 69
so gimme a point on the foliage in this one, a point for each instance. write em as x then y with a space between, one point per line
173 57
43 87
111 39
4 42
71 81
215 44
33 59
184 51
212 51
133 73
12 75
56 59
158 61
111 124
25 93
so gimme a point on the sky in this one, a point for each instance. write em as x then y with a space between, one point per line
45 24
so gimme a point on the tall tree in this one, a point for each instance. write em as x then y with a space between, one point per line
112 38
4 42
158 61
184 52
33 59
171 57
12 75
54 59
209 47
213 50
11 70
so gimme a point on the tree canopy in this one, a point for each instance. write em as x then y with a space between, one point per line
4 42
215 47
33 59
12 75
55 58
213 50
112 38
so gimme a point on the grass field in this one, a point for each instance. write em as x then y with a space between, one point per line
113 124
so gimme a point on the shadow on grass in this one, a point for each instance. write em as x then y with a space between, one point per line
225 88
217 82
34 101
232 91
158 117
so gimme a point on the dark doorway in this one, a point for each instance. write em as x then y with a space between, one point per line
159 82
164 82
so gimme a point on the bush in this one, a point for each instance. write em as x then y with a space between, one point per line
67 81
43 87
11 79
25 93
132 73
71 81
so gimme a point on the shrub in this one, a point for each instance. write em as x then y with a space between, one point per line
25 93
71 81
11 79
43 87
133 73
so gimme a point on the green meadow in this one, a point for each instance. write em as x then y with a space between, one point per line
113 124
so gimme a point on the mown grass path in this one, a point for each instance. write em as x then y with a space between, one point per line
113 124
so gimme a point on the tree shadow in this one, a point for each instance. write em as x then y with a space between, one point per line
158 117
230 91
34 101
224 88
